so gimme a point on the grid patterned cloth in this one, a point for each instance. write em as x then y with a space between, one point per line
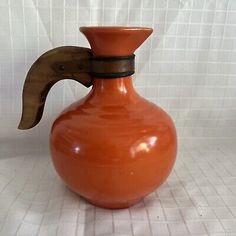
188 67
198 198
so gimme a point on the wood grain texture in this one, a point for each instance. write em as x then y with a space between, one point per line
68 62
61 63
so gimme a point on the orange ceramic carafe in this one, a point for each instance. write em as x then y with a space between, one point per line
113 147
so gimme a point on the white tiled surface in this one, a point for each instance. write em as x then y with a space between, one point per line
188 67
198 198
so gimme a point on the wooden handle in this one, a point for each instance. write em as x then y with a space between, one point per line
67 62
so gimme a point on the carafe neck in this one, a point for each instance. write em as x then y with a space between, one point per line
110 91
114 42
121 86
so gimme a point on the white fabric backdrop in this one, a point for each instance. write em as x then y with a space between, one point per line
188 67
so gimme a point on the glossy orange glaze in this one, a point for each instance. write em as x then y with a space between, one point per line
113 147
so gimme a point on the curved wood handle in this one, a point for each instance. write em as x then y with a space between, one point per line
67 62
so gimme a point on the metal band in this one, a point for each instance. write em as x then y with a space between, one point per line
112 67
61 63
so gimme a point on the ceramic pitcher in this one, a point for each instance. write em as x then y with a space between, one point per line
112 147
